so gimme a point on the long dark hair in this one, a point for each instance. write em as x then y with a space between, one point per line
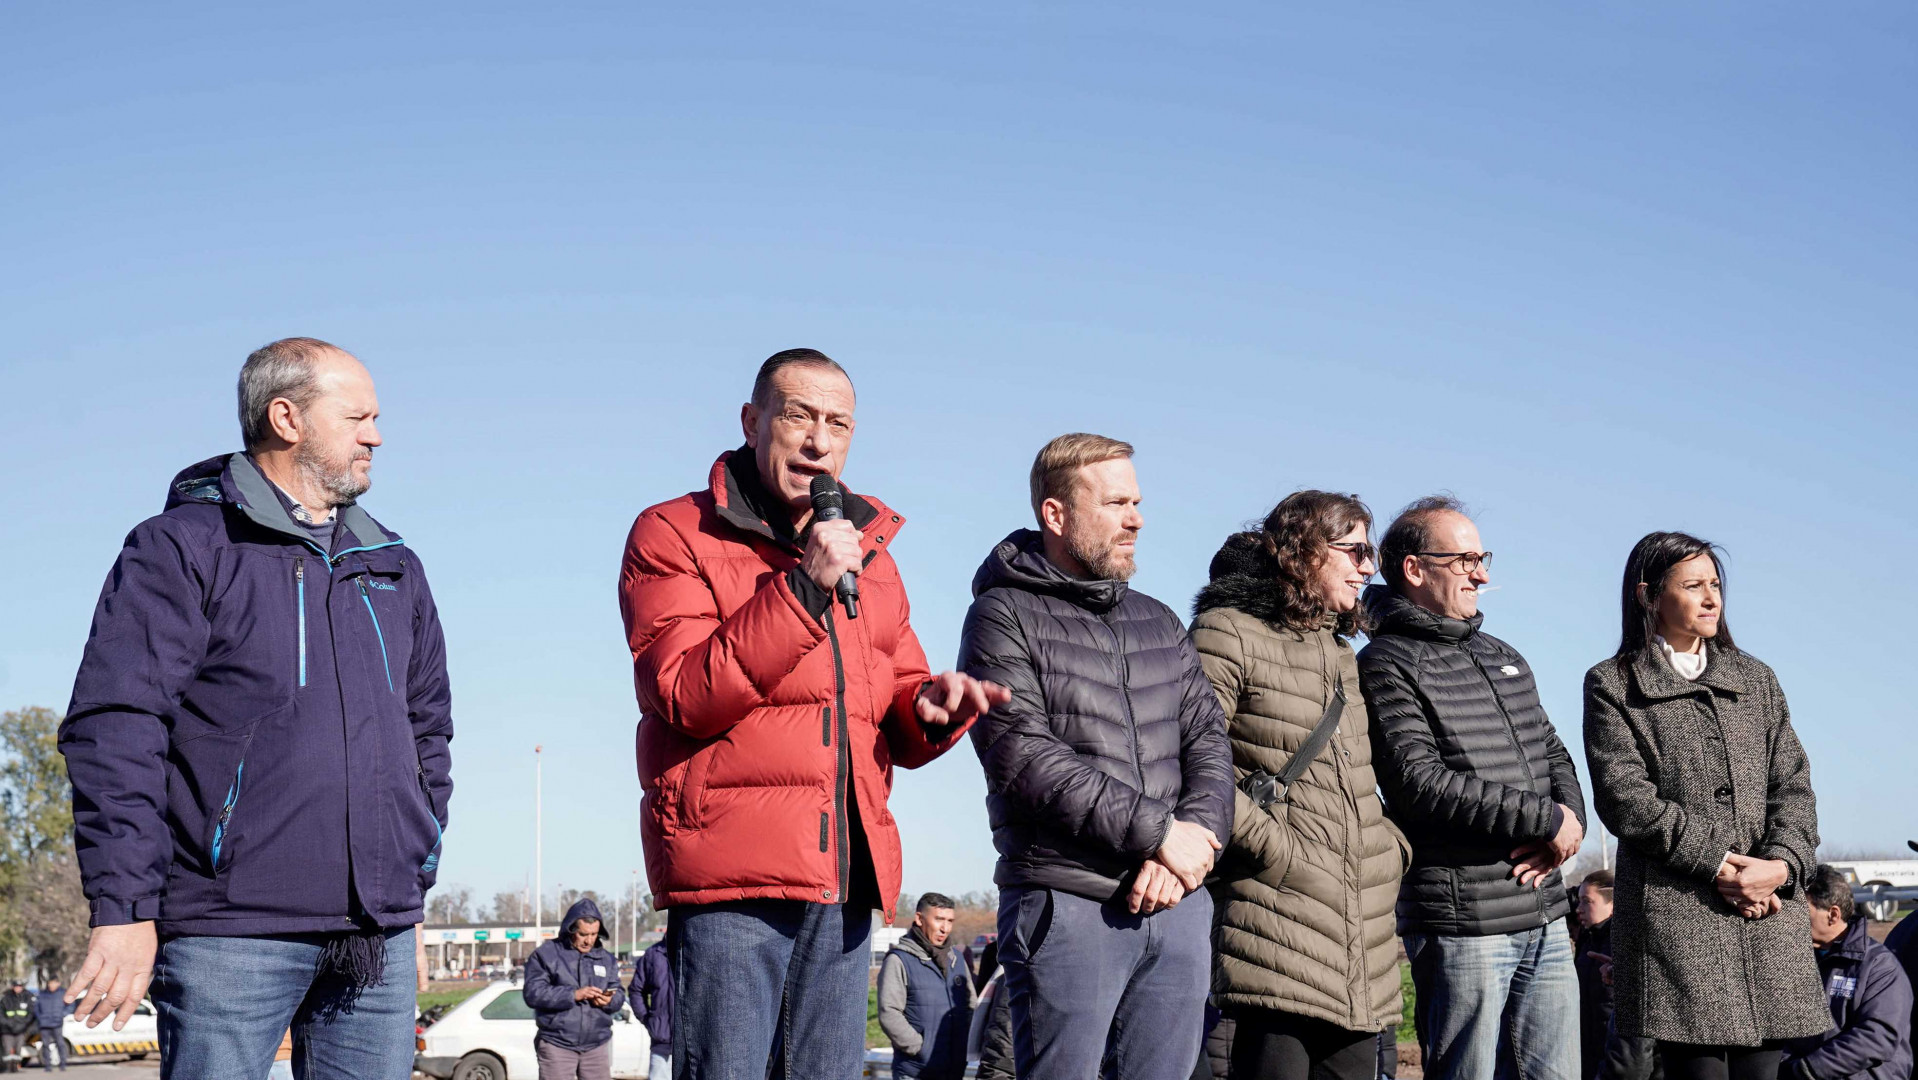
1649 564
1295 535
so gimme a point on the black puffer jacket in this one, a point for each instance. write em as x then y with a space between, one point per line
1112 729
1470 768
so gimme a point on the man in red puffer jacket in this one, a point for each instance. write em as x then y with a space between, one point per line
770 722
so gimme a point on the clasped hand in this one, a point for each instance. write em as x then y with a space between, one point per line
1183 860
1751 885
1533 861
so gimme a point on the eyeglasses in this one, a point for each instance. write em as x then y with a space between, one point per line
1360 553
1465 562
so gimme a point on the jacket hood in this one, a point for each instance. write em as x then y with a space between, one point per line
235 480
1394 614
1019 562
1241 578
581 909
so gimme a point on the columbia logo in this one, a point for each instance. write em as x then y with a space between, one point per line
384 585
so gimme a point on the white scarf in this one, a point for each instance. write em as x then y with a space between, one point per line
1689 665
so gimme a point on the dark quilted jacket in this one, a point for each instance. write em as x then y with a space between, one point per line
1470 768
1112 729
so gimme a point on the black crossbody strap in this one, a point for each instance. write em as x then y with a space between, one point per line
1315 742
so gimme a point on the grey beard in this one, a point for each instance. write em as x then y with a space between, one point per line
1103 563
338 482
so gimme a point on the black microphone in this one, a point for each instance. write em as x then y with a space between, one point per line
829 505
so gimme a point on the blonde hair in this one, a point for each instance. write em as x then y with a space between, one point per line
1056 469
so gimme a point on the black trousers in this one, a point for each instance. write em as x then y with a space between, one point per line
1690 1061
1273 1045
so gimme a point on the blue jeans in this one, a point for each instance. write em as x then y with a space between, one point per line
1501 1006
661 1066
755 973
52 1049
225 1003
1092 983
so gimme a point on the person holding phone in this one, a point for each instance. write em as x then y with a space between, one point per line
572 986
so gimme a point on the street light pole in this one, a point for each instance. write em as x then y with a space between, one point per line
539 912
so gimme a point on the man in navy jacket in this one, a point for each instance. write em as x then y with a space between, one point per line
258 748
1870 996
652 998
50 1011
572 986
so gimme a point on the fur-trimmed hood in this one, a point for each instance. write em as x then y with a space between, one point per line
1242 577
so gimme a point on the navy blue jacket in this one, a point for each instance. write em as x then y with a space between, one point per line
1871 1008
939 1008
556 969
50 1008
1903 943
258 734
652 997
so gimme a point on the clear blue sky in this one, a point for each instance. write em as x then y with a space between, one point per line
1597 272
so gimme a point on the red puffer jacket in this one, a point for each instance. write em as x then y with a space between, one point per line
760 720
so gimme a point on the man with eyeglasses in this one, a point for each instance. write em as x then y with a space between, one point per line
1473 772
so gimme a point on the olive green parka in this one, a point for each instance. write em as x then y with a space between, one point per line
1305 891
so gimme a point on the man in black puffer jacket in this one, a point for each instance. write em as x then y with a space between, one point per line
1487 794
1108 781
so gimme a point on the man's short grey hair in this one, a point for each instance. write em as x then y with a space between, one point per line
280 369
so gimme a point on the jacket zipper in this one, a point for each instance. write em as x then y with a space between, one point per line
367 599
1125 692
842 760
1331 662
299 584
1511 732
226 814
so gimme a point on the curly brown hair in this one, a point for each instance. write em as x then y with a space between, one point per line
1296 534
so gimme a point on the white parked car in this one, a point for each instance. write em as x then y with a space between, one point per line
139 1038
489 1036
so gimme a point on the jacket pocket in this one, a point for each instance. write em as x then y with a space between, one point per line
220 851
379 633
1031 924
216 767
432 860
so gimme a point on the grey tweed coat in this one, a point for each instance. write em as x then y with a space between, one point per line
1684 772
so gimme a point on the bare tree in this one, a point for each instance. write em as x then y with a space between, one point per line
450 905
510 907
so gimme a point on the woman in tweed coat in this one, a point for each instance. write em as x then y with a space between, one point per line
1696 768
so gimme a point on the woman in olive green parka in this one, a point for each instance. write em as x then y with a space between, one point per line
1306 953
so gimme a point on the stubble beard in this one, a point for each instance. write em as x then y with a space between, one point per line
1103 560
334 476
